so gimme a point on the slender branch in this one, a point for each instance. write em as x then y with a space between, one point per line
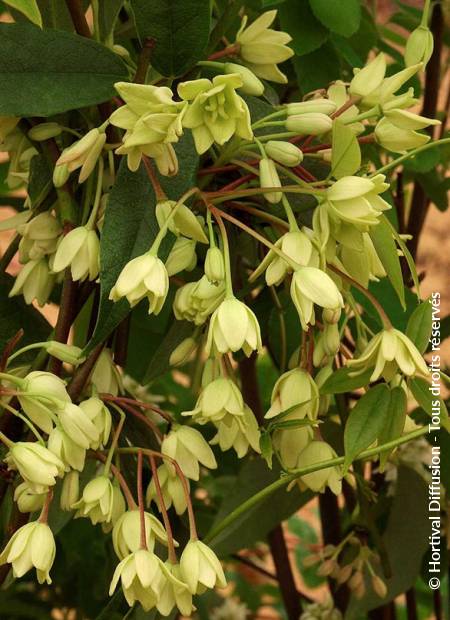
9 347
141 505
83 373
163 510
144 60
65 316
78 18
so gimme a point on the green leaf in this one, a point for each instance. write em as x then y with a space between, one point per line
318 68
180 30
366 421
435 187
45 72
346 154
341 381
306 31
406 253
16 314
108 12
29 8
254 525
395 421
420 324
385 246
40 180
420 389
342 17
265 444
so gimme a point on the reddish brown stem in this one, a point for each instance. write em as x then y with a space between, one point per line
159 192
137 403
43 518
141 501
123 483
9 348
140 416
162 507
231 50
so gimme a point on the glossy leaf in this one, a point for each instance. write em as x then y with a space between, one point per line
395 421
366 422
306 31
341 381
342 17
420 324
180 31
47 72
385 246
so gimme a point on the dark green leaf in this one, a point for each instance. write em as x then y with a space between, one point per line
159 361
265 444
29 8
435 187
341 381
420 324
342 17
306 31
317 69
40 180
180 30
431 403
16 314
44 72
385 246
346 154
366 421
108 11
395 421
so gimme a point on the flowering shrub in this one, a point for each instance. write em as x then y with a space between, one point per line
211 226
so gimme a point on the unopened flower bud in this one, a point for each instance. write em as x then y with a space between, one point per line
68 353
60 175
182 256
309 123
27 500
80 249
326 568
181 354
251 85
70 490
106 377
214 265
284 152
368 78
31 546
419 46
83 154
322 105
44 131
184 221
268 177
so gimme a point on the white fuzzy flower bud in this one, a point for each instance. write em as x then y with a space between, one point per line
32 546
44 131
284 153
419 46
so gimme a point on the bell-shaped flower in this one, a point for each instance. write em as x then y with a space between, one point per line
251 85
362 263
184 222
215 112
317 452
106 377
311 286
79 249
78 426
389 352
239 432
126 534
171 489
296 395
71 454
196 301
369 78
233 326
83 154
309 123
189 448
174 592
141 575
41 394
218 399
397 139
182 256
27 499
262 48
289 442
70 490
296 245
34 281
385 93
98 501
200 567
39 236
36 464
32 546
284 153
268 178
357 200
214 266
100 415
143 276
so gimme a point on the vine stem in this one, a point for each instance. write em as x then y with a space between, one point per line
297 473
140 495
163 510
226 251
140 416
402 158
115 439
43 518
123 484
137 403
